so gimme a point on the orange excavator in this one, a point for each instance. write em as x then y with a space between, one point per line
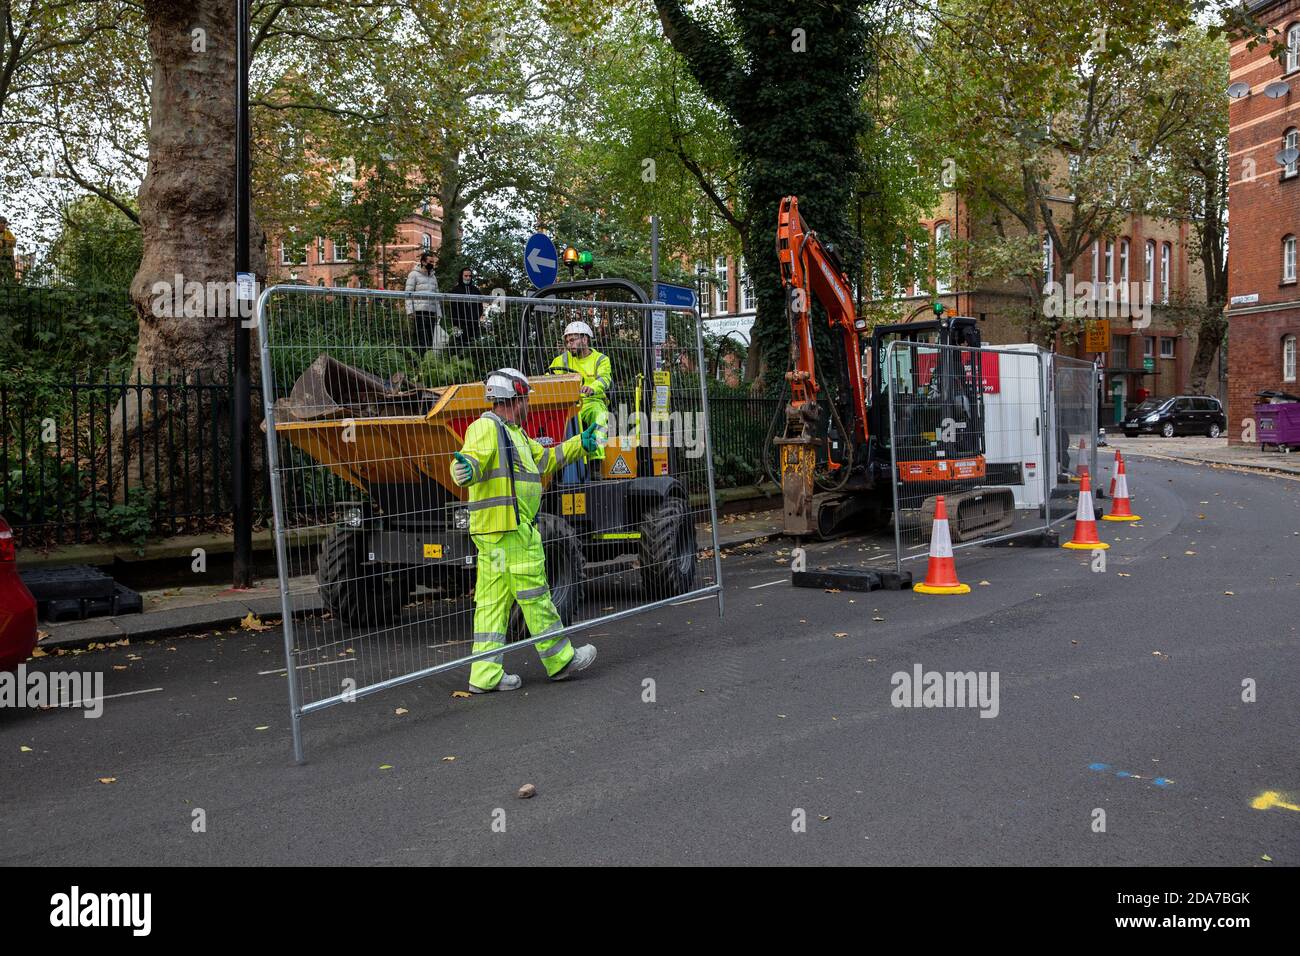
839 455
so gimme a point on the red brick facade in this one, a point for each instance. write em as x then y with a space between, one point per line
1264 210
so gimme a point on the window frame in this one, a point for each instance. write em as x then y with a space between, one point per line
1291 63
1173 346
1289 341
1288 259
1291 140
1166 264
942 282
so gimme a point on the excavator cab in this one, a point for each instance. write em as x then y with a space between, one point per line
937 392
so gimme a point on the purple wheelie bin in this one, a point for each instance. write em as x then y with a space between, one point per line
1278 424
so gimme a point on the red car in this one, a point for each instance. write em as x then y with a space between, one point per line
17 606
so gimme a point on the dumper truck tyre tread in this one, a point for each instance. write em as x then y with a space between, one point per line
360 595
667 550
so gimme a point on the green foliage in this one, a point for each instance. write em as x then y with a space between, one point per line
131 521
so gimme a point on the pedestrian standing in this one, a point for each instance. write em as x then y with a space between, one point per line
467 317
425 310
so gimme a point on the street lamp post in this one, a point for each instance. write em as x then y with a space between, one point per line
241 464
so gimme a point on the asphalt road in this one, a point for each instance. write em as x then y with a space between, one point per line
1118 691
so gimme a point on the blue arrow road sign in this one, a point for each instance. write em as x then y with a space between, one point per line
678 295
540 261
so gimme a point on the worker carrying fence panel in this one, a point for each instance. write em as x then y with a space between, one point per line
504 469
597 377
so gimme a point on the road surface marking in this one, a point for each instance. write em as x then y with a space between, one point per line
129 693
300 667
767 585
707 597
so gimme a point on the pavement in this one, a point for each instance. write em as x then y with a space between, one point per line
1146 714
1201 450
193 609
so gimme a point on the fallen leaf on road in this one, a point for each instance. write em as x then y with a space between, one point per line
119 667
1075 696
1189 552
448 759
1123 574
841 633
984 584
1229 593
878 619
461 693
253 623
782 716
37 652
263 727
1266 858
385 766
526 791
108 779
400 711
24 750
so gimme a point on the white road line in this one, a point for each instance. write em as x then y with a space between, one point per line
303 667
129 693
767 585
707 597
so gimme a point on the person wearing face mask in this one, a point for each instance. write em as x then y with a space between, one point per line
467 317
424 310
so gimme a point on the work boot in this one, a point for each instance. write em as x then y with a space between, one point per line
582 658
507 682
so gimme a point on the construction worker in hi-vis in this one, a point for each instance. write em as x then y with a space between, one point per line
597 376
504 468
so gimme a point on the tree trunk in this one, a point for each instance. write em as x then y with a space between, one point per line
1209 339
187 199
183 292
452 229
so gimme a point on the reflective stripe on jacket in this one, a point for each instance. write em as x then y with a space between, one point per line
498 499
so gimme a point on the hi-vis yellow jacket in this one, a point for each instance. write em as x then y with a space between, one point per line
596 371
507 467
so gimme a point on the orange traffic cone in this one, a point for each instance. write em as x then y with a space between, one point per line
1120 509
1080 467
1119 463
1085 525
941 573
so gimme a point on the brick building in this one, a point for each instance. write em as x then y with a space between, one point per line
325 260
1264 210
1152 361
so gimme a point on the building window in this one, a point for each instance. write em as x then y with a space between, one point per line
942 265
1288 358
1049 259
1288 259
1123 270
746 288
720 281
340 250
1166 347
1148 347
1293 48
1165 254
1110 270
1149 270
902 272
320 248
705 300
426 242
1290 141
292 254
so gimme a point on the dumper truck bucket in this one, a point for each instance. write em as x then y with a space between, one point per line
372 432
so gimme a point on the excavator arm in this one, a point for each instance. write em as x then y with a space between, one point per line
809 268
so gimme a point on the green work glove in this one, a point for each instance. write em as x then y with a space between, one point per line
461 469
593 437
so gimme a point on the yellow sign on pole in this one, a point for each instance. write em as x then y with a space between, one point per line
1096 336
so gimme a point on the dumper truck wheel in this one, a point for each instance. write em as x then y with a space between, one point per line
566 569
667 550
359 593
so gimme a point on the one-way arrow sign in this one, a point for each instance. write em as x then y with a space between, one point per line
540 261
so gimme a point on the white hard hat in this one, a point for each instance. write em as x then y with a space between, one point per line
507 383
579 328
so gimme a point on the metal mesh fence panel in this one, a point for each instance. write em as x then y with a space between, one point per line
968 426
1073 407
369 397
